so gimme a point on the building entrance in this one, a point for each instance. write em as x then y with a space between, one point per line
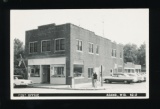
45 73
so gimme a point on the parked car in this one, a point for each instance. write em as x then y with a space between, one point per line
118 78
136 77
20 81
143 77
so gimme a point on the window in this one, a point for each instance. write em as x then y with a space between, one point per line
90 72
46 45
33 47
90 47
34 70
119 69
120 54
60 44
79 45
78 71
58 72
113 52
129 71
97 49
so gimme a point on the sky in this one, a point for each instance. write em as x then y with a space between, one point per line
119 25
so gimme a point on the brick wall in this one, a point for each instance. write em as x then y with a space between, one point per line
71 32
50 32
47 32
92 60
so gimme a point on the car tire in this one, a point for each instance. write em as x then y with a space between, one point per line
107 81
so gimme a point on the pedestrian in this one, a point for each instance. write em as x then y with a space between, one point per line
95 79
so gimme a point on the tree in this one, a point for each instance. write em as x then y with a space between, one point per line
18 49
142 54
130 53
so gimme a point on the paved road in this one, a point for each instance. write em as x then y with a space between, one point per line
110 88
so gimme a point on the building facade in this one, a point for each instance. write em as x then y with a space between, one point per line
57 52
130 67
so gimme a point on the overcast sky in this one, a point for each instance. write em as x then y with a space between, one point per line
120 25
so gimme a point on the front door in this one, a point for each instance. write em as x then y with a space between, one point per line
46 74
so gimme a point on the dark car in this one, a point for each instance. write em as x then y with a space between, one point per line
118 78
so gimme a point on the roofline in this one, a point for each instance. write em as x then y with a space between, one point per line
89 31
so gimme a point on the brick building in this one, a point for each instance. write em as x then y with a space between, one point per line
57 52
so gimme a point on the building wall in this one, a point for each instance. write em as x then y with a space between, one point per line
44 33
71 32
50 32
92 60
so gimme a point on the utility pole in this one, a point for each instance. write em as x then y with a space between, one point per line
101 76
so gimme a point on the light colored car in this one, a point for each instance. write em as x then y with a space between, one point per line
143 77
137 77
20 81
118 78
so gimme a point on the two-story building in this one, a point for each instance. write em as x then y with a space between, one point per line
56 52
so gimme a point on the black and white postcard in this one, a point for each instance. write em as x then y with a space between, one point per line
79 54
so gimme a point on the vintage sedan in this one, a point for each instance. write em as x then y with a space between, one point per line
20 81
136 77
118 78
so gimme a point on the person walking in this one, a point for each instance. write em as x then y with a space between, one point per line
95 79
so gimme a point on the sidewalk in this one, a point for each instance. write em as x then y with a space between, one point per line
81 86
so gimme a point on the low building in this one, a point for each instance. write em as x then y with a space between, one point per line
130 67
57 52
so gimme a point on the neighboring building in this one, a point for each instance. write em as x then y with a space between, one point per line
130 67
57 52
143 68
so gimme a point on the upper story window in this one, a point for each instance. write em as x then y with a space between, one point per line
59 43
120 54
90 47
46 45
97 49
113 52
79 45
33 47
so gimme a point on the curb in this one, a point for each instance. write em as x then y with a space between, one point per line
68 88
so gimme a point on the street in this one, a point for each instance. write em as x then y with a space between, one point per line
109 88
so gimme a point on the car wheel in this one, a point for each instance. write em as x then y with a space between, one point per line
125 82
107 81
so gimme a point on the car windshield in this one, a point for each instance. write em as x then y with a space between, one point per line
19 77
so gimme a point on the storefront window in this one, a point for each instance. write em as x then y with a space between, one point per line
58 72
126 71
129 71
78 71
34 70
119 69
